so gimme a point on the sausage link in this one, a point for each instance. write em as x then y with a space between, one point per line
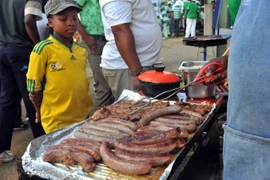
129 124
163 119
121 165
119 127
190 128
156 159
85 160
81 141
100 128
92 151
162 136
58 155
104 134
81 135
126 145
162 128
159 112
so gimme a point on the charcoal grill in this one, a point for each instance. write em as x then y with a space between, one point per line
205 41
201 136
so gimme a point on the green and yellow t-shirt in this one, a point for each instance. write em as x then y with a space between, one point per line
60 72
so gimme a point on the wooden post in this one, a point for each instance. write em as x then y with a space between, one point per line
208 17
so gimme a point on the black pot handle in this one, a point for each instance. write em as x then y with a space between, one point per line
159 68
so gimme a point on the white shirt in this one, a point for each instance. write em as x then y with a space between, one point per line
144 26
42 27
180 3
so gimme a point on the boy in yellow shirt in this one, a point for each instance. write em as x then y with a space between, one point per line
57 78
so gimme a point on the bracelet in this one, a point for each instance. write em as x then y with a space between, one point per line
135 75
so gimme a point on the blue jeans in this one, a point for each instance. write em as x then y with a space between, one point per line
13 63
246 151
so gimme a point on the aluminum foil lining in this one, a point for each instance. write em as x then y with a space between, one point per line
34 165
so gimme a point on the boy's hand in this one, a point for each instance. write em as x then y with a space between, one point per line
38 118
36 99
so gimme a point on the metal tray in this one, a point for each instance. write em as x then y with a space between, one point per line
208 41
33 164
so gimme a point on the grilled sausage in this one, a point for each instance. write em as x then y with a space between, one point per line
146 133
163 119
119 127
100 128
162 128
58 155
81 135
121 165
180 143
192 113
180 117
185 117
159 112
104 134
190 128
162 147
162 136
129 124
156 159
81 141
92 151
85 160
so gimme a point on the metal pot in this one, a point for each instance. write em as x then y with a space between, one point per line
157 81
190 70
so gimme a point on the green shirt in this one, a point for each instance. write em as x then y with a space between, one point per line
177 12
91 17
186 4
233 6
192 11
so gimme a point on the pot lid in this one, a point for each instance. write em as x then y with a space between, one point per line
159 76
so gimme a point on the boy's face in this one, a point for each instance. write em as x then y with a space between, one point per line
65 23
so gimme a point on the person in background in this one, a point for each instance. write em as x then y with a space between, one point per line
157 8
233 6
92 32
134 42
43 31
192 13
57 79
168 8
165 20
177 15
186 4
19 123
18 34
248 104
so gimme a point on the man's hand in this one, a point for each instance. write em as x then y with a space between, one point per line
89 40
91 43
215 78
136 84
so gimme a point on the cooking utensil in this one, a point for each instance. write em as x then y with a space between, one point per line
156 81
149 101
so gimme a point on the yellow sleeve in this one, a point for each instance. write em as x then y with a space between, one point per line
37 67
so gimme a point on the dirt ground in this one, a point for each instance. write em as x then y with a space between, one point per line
173 53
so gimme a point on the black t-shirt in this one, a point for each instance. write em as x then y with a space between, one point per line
12 27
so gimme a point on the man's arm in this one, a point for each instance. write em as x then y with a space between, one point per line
31 28
32 13
126 46
125 43
89 40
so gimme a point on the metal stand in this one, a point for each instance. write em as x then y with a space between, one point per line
204 53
